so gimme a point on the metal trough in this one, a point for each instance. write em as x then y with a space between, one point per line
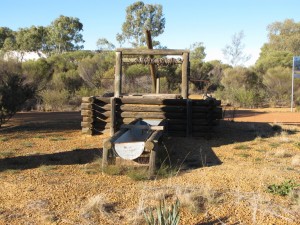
132 140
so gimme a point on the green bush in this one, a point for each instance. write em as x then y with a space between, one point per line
54 100
283 189
13 94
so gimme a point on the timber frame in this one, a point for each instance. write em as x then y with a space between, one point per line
120 52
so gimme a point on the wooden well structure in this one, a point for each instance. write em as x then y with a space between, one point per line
124 116
185 117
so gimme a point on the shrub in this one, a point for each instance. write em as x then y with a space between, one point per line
13 94
282 189
54 100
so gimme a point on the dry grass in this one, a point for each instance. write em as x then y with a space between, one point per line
296 160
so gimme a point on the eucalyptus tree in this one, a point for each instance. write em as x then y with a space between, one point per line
64 34
6 34
141 17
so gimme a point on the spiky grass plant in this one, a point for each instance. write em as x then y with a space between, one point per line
165 215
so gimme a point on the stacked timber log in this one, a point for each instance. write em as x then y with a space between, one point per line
96 115
184 117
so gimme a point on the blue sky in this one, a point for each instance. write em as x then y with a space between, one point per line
212 22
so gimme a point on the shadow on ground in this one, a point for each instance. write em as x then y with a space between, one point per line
42 122
77 156
193 152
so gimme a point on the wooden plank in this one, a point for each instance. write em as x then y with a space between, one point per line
143 127
86 106
112 116
118 75
152 115
87 119
87 99
188 117
153 140
151 108
133 51
152 101
86 130
87 113
185 75
101 100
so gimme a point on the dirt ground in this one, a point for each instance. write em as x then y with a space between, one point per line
50 173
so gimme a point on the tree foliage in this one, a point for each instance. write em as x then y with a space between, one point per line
278 83
13 92
285 36
141 17
65 34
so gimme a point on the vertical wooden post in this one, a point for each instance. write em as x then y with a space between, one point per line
118 74
157 84
152 162
152 67
104 156
185 75
112 116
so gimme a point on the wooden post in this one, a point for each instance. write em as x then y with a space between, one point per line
118 75
152 162
152 67
185 71
104 157
157 84
112 116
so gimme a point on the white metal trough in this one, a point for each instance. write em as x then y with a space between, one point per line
133 139
131 144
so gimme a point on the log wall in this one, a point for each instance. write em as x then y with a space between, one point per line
185 117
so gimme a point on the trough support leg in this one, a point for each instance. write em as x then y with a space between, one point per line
104 158
152 163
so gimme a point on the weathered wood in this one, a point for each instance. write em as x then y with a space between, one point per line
152 66
152 115
87 119
143 127
152 101
132 51
151 108
101 108
118 74
101 100
188 117
112 116
86 106
211 102
87 113
89 106
157 84
185 75
152 162
153 140
202 128
85 130
87 99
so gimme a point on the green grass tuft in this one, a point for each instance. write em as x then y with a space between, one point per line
282 189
